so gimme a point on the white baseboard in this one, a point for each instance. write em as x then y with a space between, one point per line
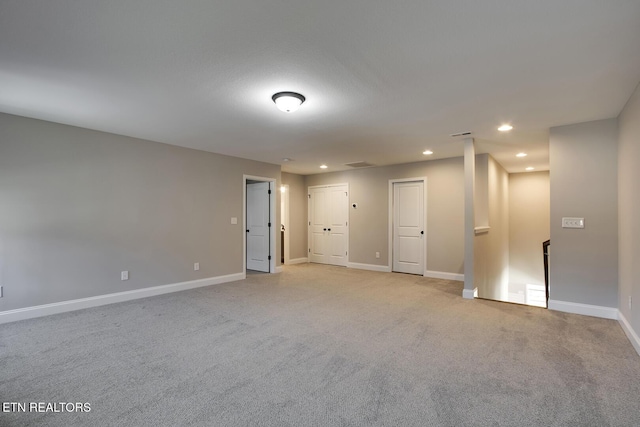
444 275
278 269
370 267
297 261
470 293
584 309
79 304
629 332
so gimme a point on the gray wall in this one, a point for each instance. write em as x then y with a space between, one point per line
528 227
297 215
79 206
369 223
584 183
491 249
481 193
629 209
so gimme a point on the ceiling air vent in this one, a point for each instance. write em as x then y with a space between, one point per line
453 135
358 165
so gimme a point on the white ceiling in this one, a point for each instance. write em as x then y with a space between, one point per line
384 80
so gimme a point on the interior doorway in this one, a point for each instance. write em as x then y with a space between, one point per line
407 225
529 229
259 218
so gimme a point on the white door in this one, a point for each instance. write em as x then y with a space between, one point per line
258 226
318 241
337 222
329 224
408 227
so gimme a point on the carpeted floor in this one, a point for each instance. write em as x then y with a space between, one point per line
321 346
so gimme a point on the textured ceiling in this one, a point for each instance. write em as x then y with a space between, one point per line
383 80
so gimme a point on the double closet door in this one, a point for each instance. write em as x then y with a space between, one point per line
329 224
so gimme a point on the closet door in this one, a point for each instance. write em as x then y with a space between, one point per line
329 224
337 224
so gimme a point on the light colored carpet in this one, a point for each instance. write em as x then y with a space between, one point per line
321 346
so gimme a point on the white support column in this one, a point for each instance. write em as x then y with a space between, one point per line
470 290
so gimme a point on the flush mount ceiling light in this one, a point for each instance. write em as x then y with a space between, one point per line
530 168
323 166
427 152
505 128
288 101
521 155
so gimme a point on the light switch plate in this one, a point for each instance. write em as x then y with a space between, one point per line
124 275
571 222
234 220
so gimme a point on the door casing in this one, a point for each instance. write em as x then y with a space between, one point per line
286 221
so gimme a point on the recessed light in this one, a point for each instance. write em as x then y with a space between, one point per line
323 166
288 101
286 159
530 168
521 155
505 128
427 152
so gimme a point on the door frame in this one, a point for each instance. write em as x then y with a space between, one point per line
284 203
348 226
422 179
272 217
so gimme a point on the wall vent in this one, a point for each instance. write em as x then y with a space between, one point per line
358 165
453 135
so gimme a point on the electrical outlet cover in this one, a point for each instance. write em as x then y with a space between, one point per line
571 222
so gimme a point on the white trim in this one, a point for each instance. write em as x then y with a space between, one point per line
584 309
79 304
298 261
278 269
272 215
390 225
370 267
470 293
628 330
444 275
